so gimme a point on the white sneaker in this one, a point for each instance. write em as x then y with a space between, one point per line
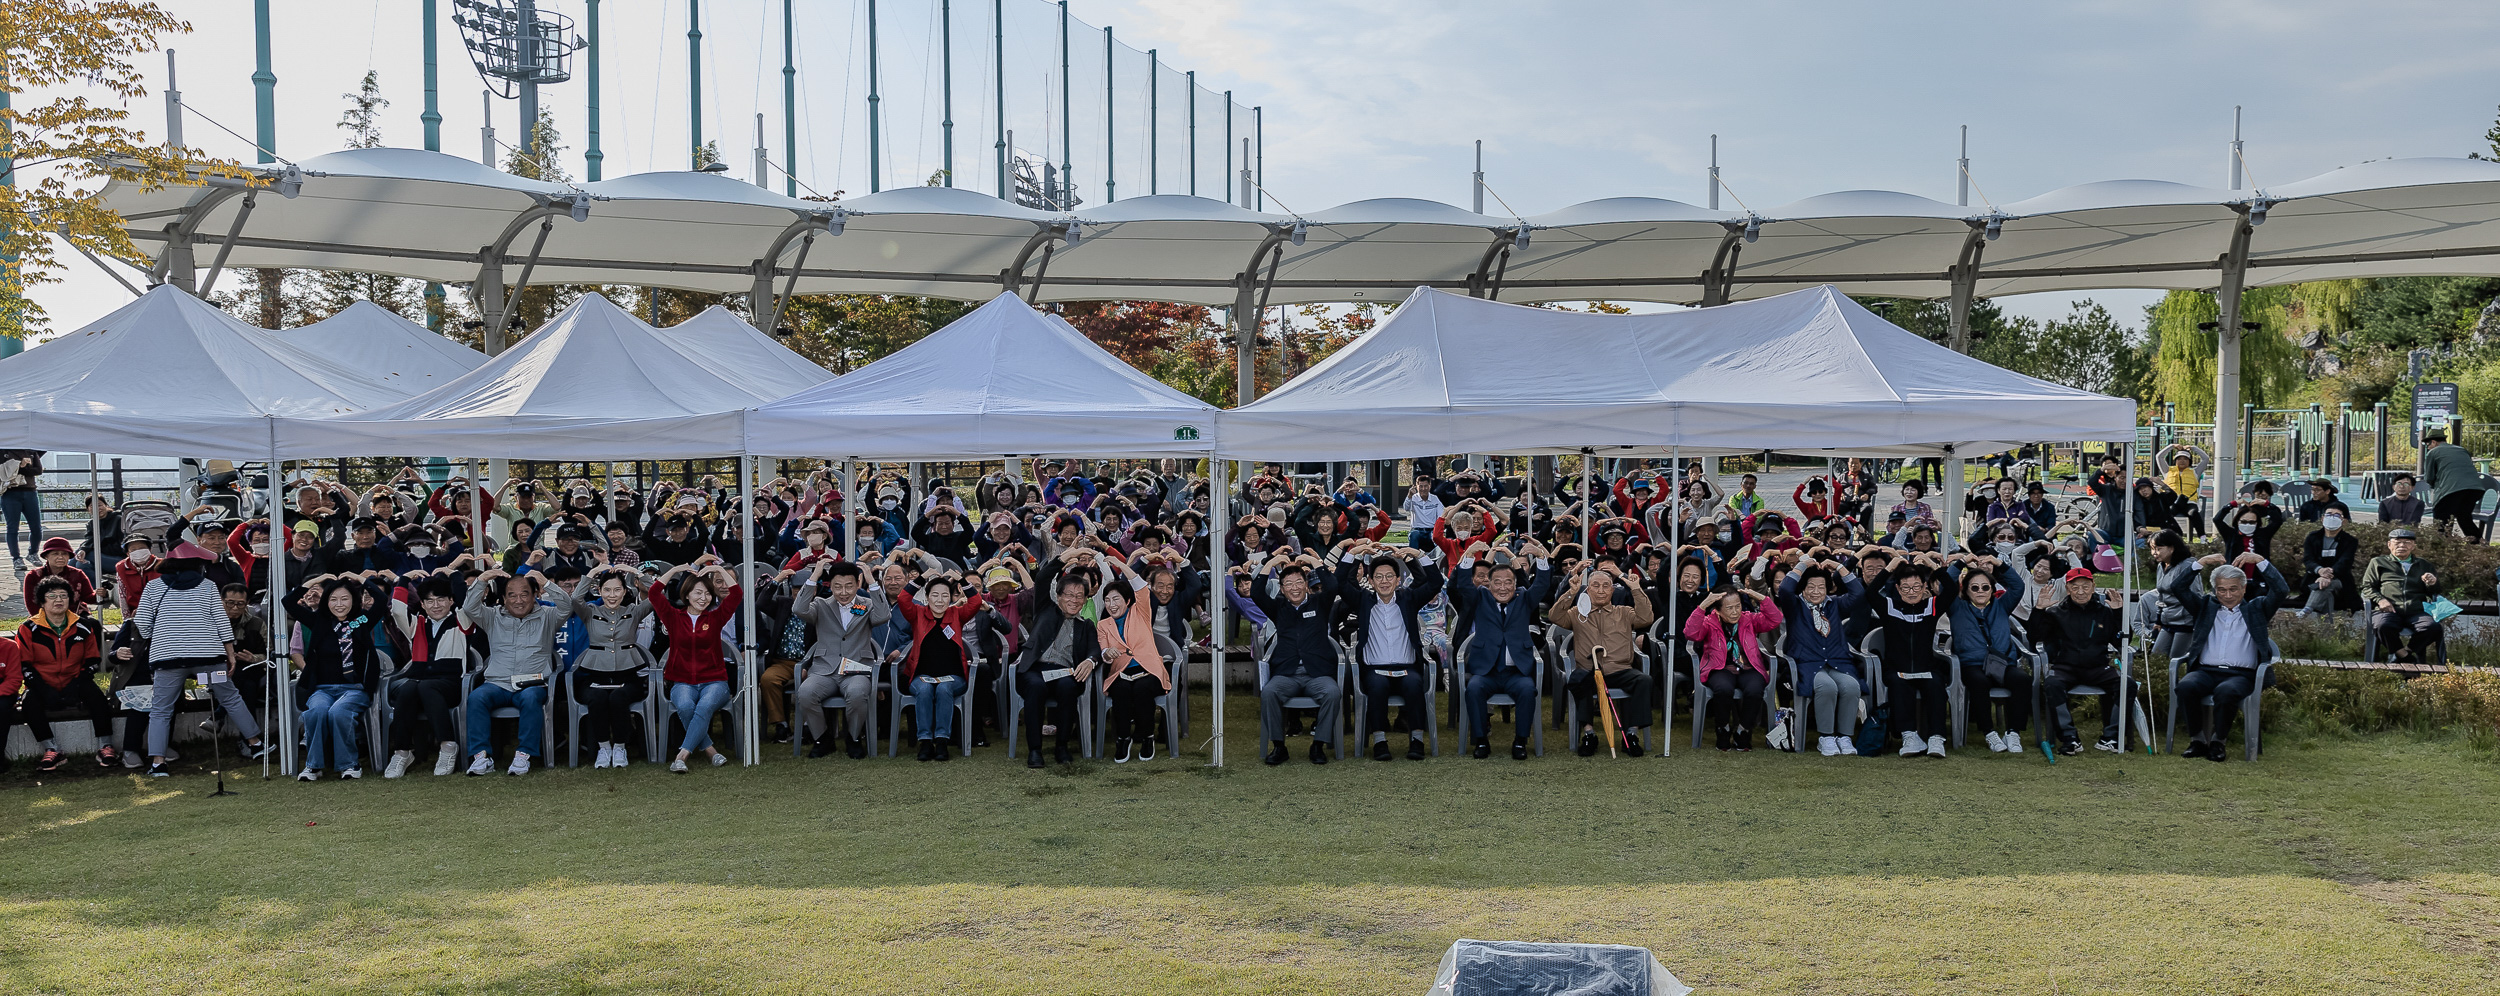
520 764
719 759
482 764
2013 743
618 759
1996 742
352 774
677 766
447 760
1911 745
1828 746
1848 746
308 775
603 757
400 760
1935 746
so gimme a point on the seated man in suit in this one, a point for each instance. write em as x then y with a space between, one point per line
842 660
1388 641
1300 602
1501 654
2396 586
2227 643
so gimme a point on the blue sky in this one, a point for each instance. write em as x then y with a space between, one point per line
1574 99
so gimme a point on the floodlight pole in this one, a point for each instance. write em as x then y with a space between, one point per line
1193 132
1154 122
264 86
876 177
694 83
998 56
1714 173
592 157
1962 182
946 51
1110 124
1067 131
528 11
789 103
1480 176
433 119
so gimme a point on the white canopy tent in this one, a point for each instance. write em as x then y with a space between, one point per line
369 338
593 384
728 346
1000 380
1809 370
170 374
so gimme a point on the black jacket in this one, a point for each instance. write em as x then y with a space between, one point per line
1359 599
1302 642
1047 619
2077 636
2313 556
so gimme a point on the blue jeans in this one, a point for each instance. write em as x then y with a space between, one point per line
330 718
695 705
485 699
24 504
1505 680
933 705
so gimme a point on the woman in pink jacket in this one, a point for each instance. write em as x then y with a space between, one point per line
1133 667
1728 629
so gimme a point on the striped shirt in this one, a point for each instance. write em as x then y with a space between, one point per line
183 625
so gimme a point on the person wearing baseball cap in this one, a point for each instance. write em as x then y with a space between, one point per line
56 553
2081 634
2396 585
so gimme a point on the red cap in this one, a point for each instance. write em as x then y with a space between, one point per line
2079 574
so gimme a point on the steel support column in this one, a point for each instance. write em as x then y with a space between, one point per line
1965 277
2228 455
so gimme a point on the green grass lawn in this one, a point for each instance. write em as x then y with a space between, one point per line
2356 866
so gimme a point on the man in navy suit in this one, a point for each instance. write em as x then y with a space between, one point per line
1501 654
2226 644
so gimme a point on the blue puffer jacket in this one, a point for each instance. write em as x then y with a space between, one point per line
1814 651
1978 631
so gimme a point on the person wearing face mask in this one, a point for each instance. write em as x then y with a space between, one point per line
138 566
1817 598
2250 528
421 549
2326 562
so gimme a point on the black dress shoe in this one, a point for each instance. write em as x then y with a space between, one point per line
1632 744
1519 748
1483 749
1063 755
940 750
1380 751
823 748
1414 748
2195 748
1275 753
1588 743
1033 758
2214 753
857 749
924 750
1319 751
781 733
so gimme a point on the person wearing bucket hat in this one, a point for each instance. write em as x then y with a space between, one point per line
182 615
56 553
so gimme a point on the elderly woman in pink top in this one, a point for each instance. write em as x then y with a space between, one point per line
1727 629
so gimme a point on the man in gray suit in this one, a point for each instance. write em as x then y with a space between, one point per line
843 659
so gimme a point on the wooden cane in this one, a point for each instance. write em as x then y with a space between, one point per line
1605 702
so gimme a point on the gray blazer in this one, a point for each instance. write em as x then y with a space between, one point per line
859 642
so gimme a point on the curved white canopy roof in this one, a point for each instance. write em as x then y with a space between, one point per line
744 355
171 375
593 384
1000 380
1807 370
426 215
383 346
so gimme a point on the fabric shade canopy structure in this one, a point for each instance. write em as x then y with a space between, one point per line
736 350
369 338
1805 371
424 215
171 375
1002 380
593 384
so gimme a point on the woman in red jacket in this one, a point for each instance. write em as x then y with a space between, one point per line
697 669
58 650
938 668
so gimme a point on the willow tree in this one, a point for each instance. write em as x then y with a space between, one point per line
2184 360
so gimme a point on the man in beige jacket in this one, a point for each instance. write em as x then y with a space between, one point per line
1606 633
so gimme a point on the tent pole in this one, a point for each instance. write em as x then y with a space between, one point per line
1675 586
284 684
2126 593
1588 504
1953 509
1221 582
477 516
850 524
750 742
